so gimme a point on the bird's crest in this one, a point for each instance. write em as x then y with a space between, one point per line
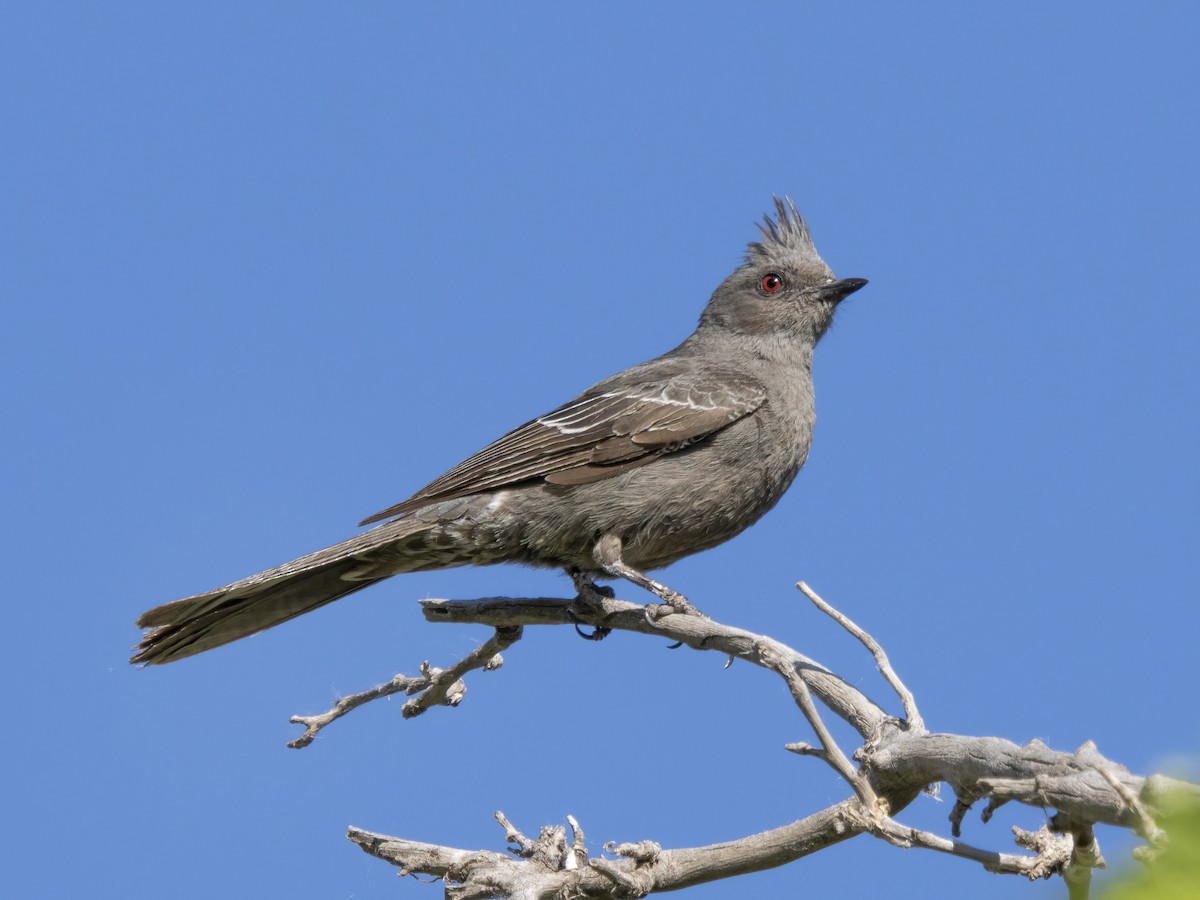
786 233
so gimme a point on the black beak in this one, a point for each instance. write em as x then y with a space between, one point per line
840 290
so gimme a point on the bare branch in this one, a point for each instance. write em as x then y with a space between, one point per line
962 805
832 754
438 686
628 884
641 851
579 855
1146 826
1085 856
1053 850
442 683
313 724
643 867
996 768
1052 853
802 748
515 837
416 856
911 715
895 764
699 633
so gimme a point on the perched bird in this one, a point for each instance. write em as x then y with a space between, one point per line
665 459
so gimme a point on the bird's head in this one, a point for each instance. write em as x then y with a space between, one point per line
783 289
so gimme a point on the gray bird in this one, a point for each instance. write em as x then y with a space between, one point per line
665 459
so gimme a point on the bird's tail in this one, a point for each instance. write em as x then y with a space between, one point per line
192 625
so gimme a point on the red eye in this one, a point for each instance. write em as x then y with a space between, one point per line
771 283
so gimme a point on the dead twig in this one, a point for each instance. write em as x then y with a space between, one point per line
911 714
435 686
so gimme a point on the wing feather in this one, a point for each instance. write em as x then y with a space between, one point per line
606 431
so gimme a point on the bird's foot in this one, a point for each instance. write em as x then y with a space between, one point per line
588 606
675 600
598 632
673 604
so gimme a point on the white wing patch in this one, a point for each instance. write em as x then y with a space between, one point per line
581 416
567 420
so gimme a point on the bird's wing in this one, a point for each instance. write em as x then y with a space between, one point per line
609 429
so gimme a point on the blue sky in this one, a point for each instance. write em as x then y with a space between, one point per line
271 267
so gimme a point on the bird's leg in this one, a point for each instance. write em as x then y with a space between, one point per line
607 554
588 594
585 587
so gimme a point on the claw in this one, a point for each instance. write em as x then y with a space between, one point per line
599 632
654 612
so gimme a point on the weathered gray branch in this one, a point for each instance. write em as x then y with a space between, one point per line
639 869
830 751
897 760
697 632
433 686
911 715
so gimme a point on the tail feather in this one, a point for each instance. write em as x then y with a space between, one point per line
209 620
192 625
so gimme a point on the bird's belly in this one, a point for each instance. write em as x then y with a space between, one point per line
680 504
